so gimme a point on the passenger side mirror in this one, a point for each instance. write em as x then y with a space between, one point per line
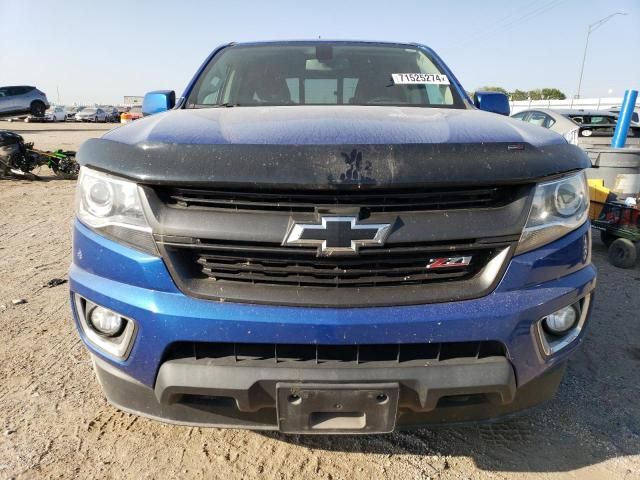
158 101
494 102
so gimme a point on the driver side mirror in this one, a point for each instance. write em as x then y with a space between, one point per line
158 101
494 102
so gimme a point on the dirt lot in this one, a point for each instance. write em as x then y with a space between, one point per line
54 422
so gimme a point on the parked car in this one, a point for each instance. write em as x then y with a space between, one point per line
330 237
91 114
71 112
635 115
56 114
23 99
134 113
113 115
579 127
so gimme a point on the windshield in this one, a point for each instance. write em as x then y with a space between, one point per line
89 110
322 74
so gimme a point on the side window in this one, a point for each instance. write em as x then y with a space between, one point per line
537 118
548 122
293 84
349 89
519 116
321 91
208 94
436 94
602 120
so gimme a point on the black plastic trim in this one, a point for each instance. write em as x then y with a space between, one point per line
447 392
322 166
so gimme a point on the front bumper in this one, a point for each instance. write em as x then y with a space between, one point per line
138 286
241 397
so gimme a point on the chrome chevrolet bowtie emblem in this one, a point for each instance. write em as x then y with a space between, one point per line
341 235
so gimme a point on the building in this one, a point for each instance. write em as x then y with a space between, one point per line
132 101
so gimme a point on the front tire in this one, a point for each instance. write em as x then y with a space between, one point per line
37 108
622 253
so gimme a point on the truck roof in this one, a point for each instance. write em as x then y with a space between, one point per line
325 41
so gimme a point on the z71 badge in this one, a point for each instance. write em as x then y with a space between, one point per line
448 262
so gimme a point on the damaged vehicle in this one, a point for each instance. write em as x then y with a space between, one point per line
23 99
19 158
330 237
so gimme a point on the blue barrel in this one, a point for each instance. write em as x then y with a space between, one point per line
624 120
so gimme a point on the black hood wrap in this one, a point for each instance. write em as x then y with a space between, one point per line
331 166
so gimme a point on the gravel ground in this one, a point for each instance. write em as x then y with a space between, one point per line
54 422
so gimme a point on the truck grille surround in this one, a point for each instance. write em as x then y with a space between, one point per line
242 257
301 267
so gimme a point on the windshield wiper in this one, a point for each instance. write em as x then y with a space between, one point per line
225 105
219 105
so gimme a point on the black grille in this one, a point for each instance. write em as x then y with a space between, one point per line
299 355
256 263
308 201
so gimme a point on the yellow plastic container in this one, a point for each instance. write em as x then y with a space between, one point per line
598 194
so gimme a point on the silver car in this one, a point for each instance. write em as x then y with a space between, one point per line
55 114
22 99
580 127
91 114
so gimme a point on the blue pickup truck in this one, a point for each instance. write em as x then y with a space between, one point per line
330 237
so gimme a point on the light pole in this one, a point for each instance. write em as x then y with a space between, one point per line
592 28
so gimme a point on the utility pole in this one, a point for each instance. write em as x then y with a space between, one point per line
592 28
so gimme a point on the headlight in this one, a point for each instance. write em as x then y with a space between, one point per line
558 208
113 208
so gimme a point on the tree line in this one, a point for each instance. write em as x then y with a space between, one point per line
536 94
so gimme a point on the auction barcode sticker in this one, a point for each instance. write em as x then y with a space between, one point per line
419 79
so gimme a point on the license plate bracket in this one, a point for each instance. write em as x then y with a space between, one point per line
337 408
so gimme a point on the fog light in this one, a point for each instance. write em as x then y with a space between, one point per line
558 323
562 327
107 331
105 322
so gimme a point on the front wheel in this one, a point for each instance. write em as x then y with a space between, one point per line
622 253
37 108
67 168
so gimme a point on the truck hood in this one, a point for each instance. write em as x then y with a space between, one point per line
319 146
321 125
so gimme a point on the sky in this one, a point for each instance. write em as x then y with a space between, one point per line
82 51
